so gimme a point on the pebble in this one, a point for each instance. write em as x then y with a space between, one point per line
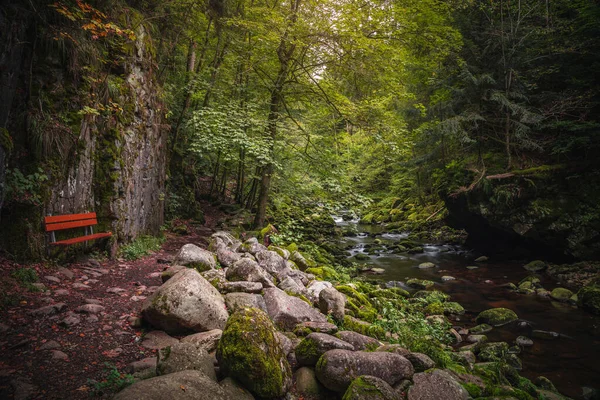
90 308
141 365
49 310
78 285
138 298
59 355
156 340
115 290
61 292
93 301
71 320
472 267
66 272
447 278
93 281
52 278
426 265
50 345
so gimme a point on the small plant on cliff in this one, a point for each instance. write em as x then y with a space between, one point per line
141 247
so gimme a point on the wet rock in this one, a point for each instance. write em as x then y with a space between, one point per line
360 342
248 270
426 265
196 257
497 316
332 302
523 341
196 385
250 352
472 267
186 302
436 385
492 351
204 340
447 278
561 294
48 310
184 357
157 340
588 298
481 259
370 388
288 311
336 369
312 347
421 362
544 335
306 383
419 283
481 329
536 266
476 339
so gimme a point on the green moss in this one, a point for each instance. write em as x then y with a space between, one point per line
473 389
363 328
453 308
497 316
431 296
358 297
419 283
588 298
308 352
324 273
435 308
249 351
394 293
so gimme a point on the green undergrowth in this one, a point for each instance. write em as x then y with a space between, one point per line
140 247
113 382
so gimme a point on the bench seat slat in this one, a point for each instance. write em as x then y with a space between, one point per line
53 219
81 239
68 225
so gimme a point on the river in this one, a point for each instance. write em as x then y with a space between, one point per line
571 362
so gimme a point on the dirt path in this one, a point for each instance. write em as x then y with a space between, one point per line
87 318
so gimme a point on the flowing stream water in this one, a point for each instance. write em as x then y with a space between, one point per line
571 362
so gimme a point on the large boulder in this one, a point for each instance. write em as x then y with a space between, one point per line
497 316
299 260
290 285
436 385
588 298
252 246
312 347
227 257
234 390
193 256
238 301
186 302
306 383
224 238
184 385
288 311
246 269
250 352
183 357
370 388
332 302
336 369
205 340
360 342
315 288
272 262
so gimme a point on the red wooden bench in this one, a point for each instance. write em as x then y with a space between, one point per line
70 221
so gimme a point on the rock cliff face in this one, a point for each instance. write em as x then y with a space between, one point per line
87 115
554 214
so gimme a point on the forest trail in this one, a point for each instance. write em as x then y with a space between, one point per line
56 343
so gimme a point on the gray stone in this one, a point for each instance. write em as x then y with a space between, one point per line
544 335
421 362
82 286
524 341
288 311
184 357
331 301
48 310
338 368
306 383
52 278
205 340
170 272
273 263
59 355
306 327
314 289
141 365
299 260
227 257
61 292
186 302
252 246
481 259
436 385
426 265
447 278
234 390
157 340
236 301
70 320
497 316
90 309
66 273
241 287
289 284
360 342
115 290
370 388
312 347
196 385
248 270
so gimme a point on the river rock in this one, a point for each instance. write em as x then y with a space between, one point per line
426 265
492 351
497 316
336 369
419 283
248 270
370 388
545 335
156 340
237 301
204 340
312 347
186 302
448 278
285 253
288 311
523 341
436 385
561 294
195 384
394 348
421 362
360 342
307 327
250 352
306 383
183 357
332 302
481 329
193 256
588 298
536 266
226 238
273 263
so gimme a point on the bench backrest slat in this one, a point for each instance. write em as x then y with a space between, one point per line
60 222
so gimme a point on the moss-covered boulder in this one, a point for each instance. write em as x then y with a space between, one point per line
312 347
250 352
481 329
419 283
364 328
306 383
493 351
437 384
369 388
535 266
588 298
497 316
453 307
561 294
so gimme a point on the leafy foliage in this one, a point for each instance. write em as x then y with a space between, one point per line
140 247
